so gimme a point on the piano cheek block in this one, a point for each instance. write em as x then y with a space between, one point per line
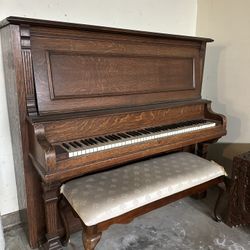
94 98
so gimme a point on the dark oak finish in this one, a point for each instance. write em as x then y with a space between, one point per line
51 194
70 81
239 195
29 191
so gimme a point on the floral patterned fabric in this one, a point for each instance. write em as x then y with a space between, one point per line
105 195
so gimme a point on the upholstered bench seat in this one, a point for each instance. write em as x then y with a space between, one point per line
102 196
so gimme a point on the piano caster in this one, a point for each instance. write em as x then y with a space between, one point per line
53 244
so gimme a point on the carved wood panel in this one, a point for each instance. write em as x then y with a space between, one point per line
28 70
91 75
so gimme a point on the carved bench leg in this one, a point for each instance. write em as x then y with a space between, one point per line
50 195
222 190
90 237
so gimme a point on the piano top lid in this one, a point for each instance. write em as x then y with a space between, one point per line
87 27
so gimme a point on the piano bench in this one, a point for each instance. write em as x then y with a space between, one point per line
121 194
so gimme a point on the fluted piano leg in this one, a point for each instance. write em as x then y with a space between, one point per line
51 195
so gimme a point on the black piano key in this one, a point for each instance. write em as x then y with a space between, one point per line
132 133
89 141
93 141
123 135
84 142
148 130
164 128
157 129
100 140
116 137
143 131
152 130
66 145
106 140
109 138
73 144
138 132
77 143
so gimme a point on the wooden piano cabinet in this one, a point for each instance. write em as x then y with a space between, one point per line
69 81
28 189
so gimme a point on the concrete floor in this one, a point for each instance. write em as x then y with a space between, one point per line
183 225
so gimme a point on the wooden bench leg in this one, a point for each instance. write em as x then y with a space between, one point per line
90 237
222 190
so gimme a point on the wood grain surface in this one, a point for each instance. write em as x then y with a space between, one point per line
69 81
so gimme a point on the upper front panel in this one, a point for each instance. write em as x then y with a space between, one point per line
77 70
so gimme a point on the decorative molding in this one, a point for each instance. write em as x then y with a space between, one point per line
202 59
28 70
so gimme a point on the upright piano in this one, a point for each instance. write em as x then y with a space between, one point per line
85 98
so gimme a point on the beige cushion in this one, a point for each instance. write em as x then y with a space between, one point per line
102 196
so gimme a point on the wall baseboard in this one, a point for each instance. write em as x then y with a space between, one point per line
11 220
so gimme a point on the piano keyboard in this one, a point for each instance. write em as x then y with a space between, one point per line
101 143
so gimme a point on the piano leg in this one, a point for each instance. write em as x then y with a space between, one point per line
202 149
51 194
